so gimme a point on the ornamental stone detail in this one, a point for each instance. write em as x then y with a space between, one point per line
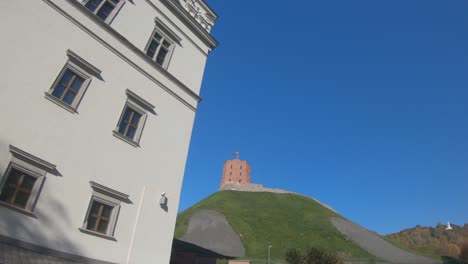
200 12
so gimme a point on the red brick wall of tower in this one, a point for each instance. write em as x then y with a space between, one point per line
236 171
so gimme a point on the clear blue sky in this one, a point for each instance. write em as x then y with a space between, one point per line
360 104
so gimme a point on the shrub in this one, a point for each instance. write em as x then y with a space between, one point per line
293 256
312 256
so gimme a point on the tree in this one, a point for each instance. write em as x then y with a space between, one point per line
464 252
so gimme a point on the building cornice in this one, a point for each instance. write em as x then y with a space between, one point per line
103 189
31 159
131 47
190 22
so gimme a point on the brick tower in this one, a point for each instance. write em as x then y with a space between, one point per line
236 171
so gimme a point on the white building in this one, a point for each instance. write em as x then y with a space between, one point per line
98 99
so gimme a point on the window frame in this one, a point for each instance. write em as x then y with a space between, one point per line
167 35
139 105
106 196
83 69
170 51
111 16
32 166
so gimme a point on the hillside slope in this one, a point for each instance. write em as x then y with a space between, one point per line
286 220
435 241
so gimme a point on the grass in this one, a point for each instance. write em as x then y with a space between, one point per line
286 220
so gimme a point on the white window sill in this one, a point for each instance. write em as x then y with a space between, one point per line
58 102
125 139
89 232
17 209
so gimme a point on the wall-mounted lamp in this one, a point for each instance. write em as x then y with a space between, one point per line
163 202
163 199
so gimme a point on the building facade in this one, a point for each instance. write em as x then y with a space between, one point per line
98 100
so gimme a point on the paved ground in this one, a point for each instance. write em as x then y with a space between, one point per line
210 230
376 246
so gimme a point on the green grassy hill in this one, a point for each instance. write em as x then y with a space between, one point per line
286 220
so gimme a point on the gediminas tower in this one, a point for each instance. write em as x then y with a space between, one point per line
236 171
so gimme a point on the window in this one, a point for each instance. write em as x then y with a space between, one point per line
161 44
72 82
21 183
104 207
158 48
68 86
129 123
17 188
99 217
132 120
104 9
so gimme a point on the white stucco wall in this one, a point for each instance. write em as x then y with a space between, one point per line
35 38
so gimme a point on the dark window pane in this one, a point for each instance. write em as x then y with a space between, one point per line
91 223
154 45
7 193
21 199
28 182
102 228
131 132
127 114
157 36
76 85
69 97
58 91
115 1
94 208
93 4
152 48
122 127
136 118
150 53
161 56
66 77
106 211
166 44
14 176
105 10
